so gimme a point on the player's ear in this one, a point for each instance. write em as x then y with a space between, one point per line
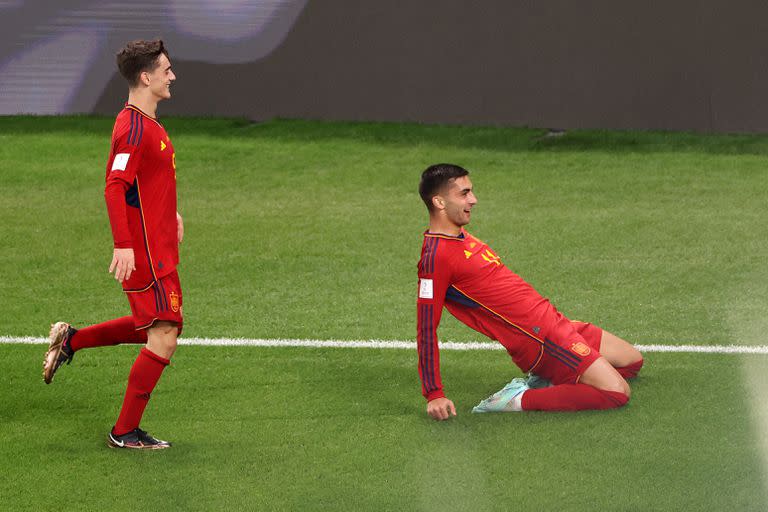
144 78
438 202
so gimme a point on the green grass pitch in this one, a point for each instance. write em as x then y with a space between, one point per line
298 229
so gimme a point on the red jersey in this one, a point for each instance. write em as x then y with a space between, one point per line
141 196
464 274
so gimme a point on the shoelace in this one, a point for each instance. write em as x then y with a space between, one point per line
67 358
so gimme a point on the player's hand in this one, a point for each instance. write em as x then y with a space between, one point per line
441 409
123 264
179 227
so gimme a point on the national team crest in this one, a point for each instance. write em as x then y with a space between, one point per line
581 349
174 302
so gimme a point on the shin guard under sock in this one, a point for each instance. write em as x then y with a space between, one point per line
571 397
112 332
144 375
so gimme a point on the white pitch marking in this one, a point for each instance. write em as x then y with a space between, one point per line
394 344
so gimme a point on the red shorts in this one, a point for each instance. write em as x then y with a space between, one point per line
576 345
160 301
564 362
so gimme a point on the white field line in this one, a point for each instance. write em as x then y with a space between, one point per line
393 344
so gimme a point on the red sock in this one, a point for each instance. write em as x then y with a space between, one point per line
631 370
145 373
112 332
571 397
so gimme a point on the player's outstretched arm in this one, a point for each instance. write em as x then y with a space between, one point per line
441 408
434 279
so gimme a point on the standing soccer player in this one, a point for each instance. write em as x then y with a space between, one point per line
572 365
140 194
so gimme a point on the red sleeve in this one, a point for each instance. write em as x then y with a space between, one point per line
114 195
121 174
434 280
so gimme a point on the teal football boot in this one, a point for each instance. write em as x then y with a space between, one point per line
505 400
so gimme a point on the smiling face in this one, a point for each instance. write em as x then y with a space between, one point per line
159 79
455 202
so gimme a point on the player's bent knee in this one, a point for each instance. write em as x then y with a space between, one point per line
625 388
169 343
162 338
602 375
616 386
163 348
619 399
613 383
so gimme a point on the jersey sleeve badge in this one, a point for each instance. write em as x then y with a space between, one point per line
120 161
426 289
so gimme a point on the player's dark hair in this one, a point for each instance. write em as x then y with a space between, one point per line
435 177
139 56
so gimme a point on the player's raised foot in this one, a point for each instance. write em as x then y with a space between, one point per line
136 440
59 351
535 382
506 399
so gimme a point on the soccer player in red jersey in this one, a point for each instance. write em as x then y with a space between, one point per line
140 194
572 365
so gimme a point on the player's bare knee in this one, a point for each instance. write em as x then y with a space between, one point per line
617 386
162 347
623 387
162 338
170 343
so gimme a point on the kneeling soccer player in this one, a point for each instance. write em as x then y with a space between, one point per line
140 193
572 365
